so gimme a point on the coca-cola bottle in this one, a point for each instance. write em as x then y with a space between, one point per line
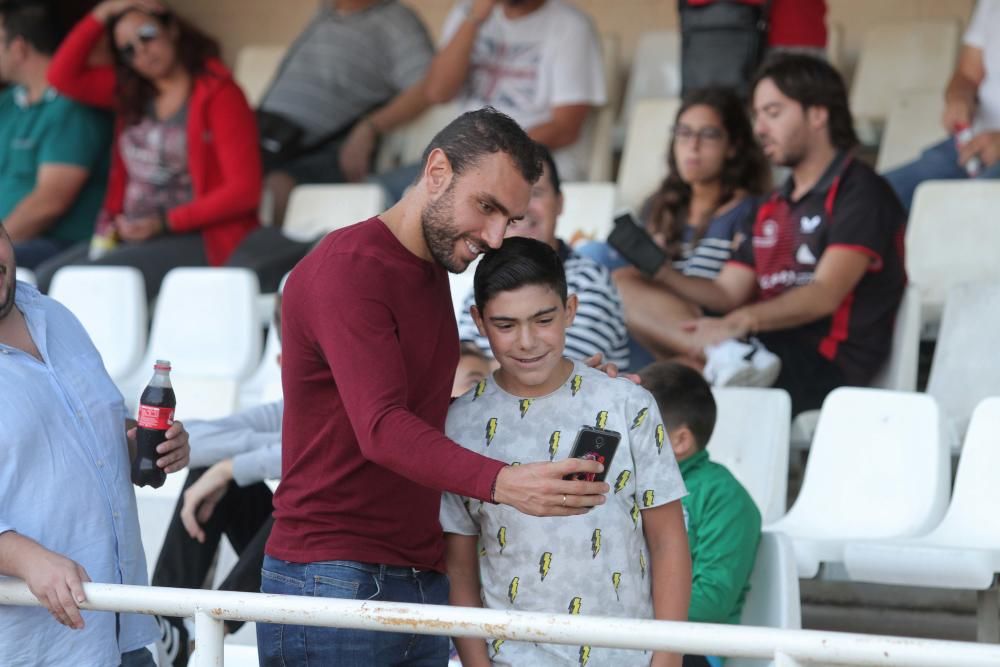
156 414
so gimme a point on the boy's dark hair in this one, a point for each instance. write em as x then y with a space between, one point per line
684 398
516 263
32 22
813 83
476 134
550 162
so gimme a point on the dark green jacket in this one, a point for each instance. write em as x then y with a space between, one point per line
723 526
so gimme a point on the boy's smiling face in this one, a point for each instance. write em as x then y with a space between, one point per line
526 328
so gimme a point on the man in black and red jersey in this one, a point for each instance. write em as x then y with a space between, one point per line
819 277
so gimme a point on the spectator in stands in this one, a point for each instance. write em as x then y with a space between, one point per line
716 175
349 78
594 564
820 277
185 176
538 61
53 151
599 326
473 366
224 494
67 512
723 523
370 337
971 106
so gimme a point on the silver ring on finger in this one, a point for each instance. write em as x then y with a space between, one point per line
564 500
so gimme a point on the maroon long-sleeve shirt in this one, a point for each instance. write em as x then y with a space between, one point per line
369 351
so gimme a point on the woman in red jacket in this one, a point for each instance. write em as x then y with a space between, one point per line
186 177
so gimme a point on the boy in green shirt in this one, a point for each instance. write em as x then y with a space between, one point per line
723 523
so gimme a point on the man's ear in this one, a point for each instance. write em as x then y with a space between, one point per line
818 117
560 200
437 174
683 443
478 319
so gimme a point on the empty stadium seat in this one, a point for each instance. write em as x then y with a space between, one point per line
913 124
878 468
951 238
751 439
315 210
655 72
405 145
644 158
156 508
110 302
588 211
255 67
264 386
26 276
773 598
899 56
966 367
205 324
963 551
461 285
603 120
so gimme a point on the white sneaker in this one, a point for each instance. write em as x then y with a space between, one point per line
734 363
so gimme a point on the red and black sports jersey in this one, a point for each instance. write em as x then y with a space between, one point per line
850 207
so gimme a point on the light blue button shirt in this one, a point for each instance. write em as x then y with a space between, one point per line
64 482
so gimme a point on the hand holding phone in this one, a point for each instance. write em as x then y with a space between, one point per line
596 445
636 245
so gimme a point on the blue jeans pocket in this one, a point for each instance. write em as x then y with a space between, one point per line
345 583
276 582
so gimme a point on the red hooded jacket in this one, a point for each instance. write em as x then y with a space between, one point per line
223 155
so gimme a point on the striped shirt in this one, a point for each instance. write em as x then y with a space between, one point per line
599 326
706 258
343 66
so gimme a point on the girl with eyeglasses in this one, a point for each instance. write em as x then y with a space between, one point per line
185 179
716 170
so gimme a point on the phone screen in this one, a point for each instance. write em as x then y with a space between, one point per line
597 445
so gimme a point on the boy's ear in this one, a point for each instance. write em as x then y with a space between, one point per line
478 319
683 443
571 304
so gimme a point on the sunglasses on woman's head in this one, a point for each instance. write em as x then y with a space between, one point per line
146 33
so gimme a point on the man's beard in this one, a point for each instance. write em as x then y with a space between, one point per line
437 221
10 289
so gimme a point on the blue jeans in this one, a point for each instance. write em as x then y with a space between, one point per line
138 658
297 645
939 162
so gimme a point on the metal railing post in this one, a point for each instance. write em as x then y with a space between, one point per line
208 637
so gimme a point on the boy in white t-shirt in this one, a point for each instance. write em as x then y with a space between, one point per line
628 557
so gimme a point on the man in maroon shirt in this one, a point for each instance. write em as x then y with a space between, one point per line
370 348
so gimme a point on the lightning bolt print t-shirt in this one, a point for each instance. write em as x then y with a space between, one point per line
596 563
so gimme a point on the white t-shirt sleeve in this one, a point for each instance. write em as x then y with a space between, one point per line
657 478
978 31
455 516
454 21
577 67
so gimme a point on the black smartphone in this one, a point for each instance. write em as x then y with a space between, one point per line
635 244
596 445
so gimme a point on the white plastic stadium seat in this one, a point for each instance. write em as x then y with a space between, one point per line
966 368
26 276
156 508
205 324
899 56
255 67
588 211
951 238
773 599
604 118
655 73
751 439
110 302
913 124
264 386
409 141
879 468
461 286
315 210
644 158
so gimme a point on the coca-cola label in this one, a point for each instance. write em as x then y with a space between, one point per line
155 418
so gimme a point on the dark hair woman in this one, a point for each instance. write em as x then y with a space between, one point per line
185 178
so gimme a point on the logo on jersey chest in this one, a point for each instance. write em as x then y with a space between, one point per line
768 236
809 223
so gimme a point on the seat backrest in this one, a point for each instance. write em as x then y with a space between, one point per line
204 397
26 276
900 370
966 367
951 238
206 324
656 69
315 210
751 439
773 599
588 211
604 117
110 302
461 286
644 158
419 132
899 56
972 515
879 466
264 385
255 67
913 123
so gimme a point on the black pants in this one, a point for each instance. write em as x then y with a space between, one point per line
244 516
695 661
805 375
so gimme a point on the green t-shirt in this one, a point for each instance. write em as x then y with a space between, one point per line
54 130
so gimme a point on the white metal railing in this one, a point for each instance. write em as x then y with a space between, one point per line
788 648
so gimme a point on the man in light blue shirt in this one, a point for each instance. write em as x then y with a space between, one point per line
67 508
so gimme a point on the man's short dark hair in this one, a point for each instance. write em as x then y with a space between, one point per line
476 134
550 162
517 263
813 82
684 398
31 21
